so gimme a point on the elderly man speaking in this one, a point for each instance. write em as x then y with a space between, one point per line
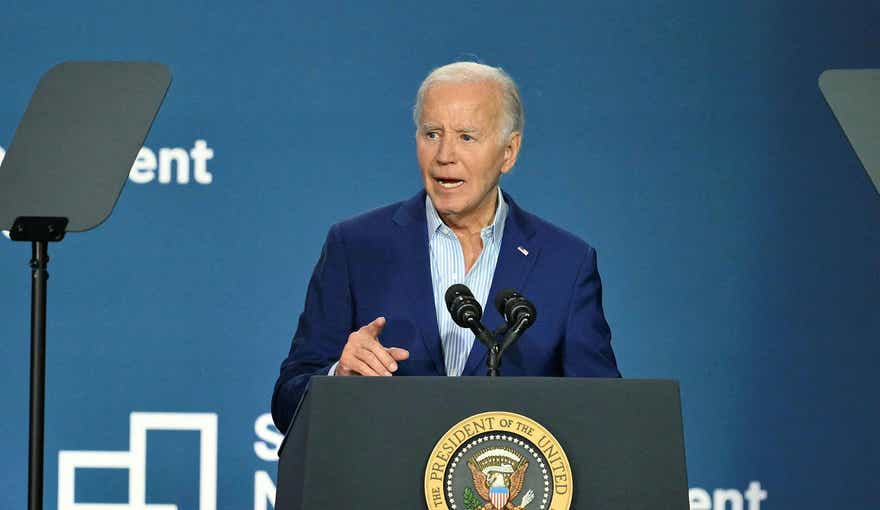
375 303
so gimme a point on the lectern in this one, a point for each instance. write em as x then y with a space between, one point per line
469 443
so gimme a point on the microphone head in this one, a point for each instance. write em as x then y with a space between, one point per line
456 290
514 307
522 307
502 298
463 306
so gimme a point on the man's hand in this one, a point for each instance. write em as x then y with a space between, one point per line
363 354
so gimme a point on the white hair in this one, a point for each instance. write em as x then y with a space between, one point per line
469 72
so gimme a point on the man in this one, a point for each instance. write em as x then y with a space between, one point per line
375 303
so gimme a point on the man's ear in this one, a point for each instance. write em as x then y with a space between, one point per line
511 151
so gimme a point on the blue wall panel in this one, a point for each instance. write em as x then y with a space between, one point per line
738 235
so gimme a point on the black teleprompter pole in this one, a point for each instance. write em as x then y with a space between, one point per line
39 277
39 231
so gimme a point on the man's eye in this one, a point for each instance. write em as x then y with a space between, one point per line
431 135
467 138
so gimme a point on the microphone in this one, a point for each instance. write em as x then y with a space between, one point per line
518 312
515 309
467 312
463 306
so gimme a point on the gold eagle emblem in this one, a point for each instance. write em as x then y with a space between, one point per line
498 475
513 463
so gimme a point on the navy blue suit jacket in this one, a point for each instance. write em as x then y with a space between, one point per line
378 264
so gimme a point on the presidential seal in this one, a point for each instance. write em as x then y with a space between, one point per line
498 461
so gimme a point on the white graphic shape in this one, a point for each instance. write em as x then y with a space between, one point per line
135 461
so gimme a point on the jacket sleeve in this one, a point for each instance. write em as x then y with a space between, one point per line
324 326
587 346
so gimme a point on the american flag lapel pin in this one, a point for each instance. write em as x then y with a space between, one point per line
523 250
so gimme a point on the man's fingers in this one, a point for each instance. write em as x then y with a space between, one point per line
358 359
384 356
365 355
397 353
369 357
374 328
359 367
376 349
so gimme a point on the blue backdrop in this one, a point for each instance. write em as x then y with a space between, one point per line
738 235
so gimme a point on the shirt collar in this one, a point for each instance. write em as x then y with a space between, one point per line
491 232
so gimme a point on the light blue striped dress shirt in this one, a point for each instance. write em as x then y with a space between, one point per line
447 268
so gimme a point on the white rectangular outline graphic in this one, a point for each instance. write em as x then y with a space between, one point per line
135 461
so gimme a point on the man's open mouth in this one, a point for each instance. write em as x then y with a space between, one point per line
449 183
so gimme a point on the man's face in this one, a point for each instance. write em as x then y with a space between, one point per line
460 150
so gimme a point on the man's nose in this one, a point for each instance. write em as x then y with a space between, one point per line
446 151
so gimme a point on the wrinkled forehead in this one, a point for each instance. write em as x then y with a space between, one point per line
467 101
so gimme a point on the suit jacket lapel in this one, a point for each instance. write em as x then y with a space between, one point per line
515 259
416 275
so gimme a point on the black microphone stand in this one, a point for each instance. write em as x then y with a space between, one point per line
514 333
489 339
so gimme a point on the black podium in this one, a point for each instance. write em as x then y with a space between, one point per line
365 443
